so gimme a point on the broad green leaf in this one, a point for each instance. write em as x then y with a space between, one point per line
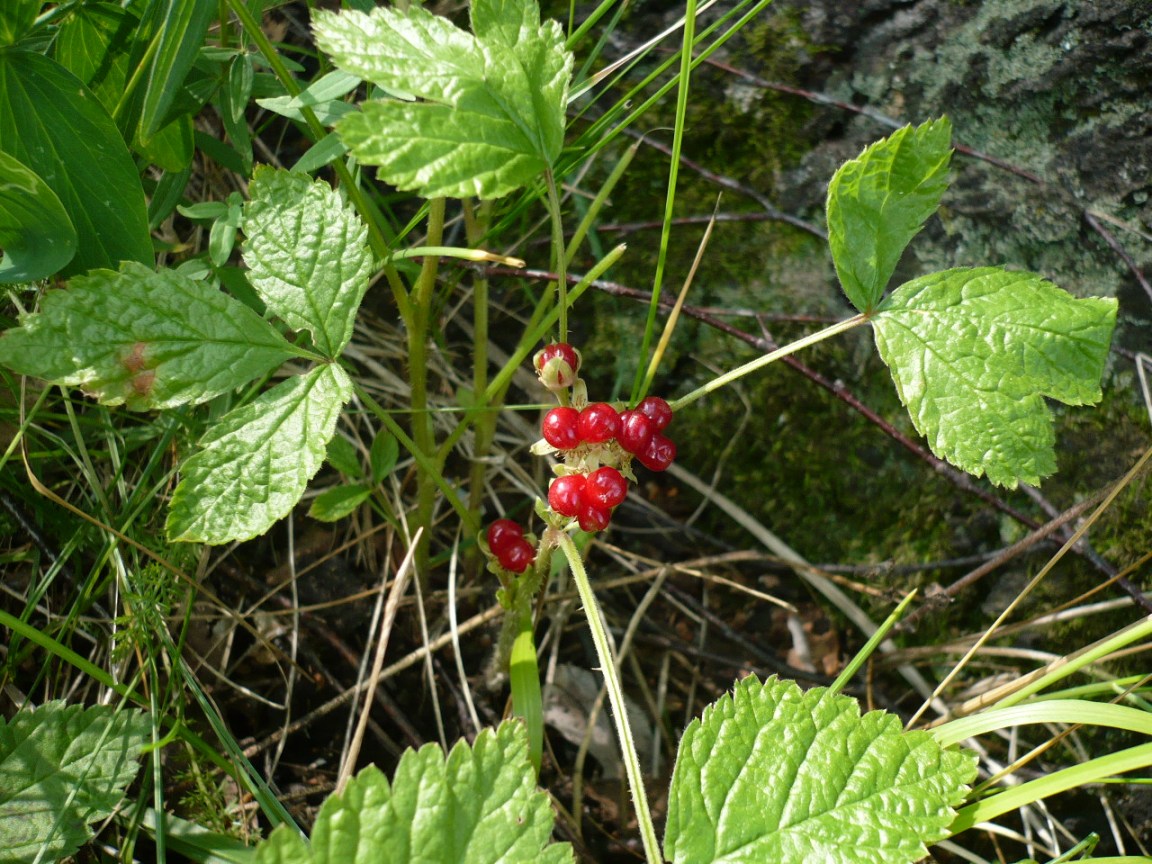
336 503
773 773
880 200
178 28
478 807
973 353
307 254
492 118
16 18
62 768
143 339
55 126
95 43
36 236
255 463
440 150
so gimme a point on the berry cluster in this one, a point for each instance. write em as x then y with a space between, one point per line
597 441
590 498
507 543
598 444
639 432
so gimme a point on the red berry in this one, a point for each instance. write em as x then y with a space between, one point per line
656 410
518 556
566 493
502 534
557 364
660 453
593 517
636 431
598 423
606 487
559 428
561 350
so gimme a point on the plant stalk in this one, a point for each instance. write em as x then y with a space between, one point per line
604 654
764 360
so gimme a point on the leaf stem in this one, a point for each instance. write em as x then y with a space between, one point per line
764 360
615 693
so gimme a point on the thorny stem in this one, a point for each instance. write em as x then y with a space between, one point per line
559 256
615 693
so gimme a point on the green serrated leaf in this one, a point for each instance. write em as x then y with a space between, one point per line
334 504
773 773
256 462
62 768
480 806
36 236
383 455
53 124
442 151
880 200
493 115
307 254
143 339
973 353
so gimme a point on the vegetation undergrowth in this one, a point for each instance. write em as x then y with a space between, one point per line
170 406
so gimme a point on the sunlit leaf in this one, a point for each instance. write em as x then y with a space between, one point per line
973 353
61 769
479 806
880 200
255 463
143 339
774 773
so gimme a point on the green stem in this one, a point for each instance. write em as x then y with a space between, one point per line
375 237
644 381
417 323
559 256
533 334
428 465
762 361
615 694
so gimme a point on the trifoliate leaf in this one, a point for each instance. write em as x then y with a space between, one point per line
257 461
307 255
62 768
974 351
492 118
880 200
143 339
36 236
772 773
480 807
